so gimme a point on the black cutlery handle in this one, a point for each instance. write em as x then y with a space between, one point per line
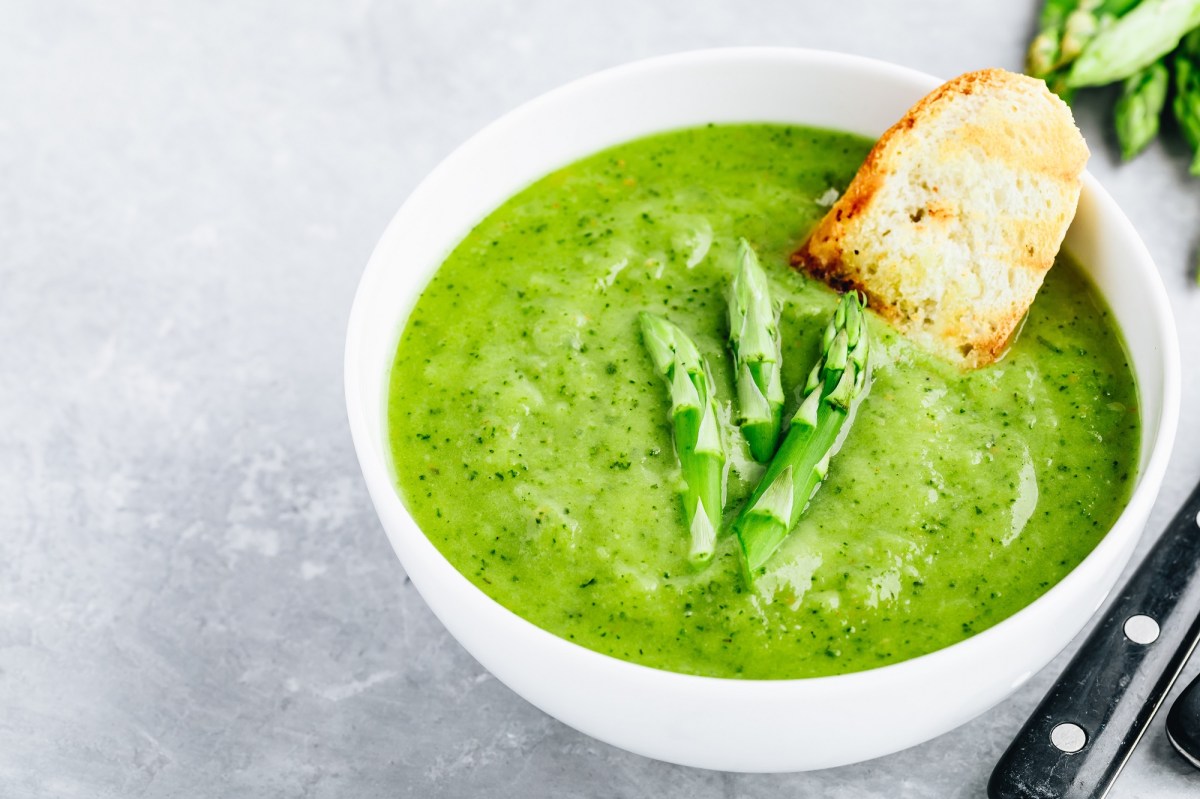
1081 735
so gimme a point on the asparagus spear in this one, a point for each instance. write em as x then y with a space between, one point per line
1141 37
1044 50
754 339
1086 22
1065 30
695 429
802 461
1081 27
1139 108
1187 94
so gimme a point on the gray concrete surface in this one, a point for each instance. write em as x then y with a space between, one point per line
195 596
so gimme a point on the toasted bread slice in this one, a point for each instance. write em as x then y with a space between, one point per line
957 214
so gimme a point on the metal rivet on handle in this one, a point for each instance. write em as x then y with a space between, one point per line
1068 737
1141 629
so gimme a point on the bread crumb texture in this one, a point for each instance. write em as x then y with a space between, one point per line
957 214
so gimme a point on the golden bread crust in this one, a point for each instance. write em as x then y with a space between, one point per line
957 213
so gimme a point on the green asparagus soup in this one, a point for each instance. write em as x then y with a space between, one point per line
531 440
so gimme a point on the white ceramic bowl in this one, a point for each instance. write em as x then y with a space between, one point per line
736 725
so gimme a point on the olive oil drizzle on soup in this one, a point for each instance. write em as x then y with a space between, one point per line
530 435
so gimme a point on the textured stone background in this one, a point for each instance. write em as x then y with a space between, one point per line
195 596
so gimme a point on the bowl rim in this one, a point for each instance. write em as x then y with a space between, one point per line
377 471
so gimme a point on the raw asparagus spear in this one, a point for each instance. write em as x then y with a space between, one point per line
1064 29
695 428
754 339
1141 37
1139 108
1043 53
1187 94
1086 23
802 461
